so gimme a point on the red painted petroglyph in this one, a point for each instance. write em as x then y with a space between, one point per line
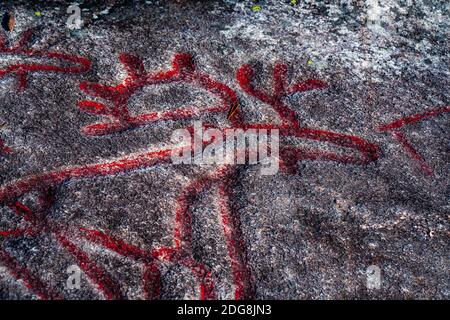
45 184
394 129
21 70
183 70
290 126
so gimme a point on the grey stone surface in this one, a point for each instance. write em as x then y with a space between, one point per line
311 235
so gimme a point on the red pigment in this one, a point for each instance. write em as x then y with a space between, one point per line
21 70
4 148
393 127
40 225
290 126
183 70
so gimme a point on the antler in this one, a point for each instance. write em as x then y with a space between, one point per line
116 97
245 76
290 126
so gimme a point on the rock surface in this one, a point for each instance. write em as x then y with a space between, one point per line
311 233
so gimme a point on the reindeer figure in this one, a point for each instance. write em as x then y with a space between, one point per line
222 177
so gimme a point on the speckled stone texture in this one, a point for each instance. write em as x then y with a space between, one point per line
310 234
